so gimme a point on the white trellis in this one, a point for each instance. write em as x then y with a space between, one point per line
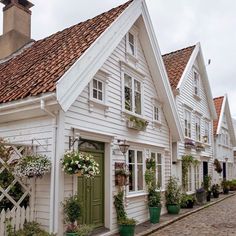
17 213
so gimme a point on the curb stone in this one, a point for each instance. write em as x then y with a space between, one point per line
169 222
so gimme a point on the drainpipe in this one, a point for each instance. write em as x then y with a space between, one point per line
53 161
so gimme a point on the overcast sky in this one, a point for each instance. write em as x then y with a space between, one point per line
177 24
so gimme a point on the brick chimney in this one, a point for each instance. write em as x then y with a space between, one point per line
16 26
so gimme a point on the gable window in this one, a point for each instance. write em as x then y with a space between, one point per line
198 128
131 41
187 124
132 94
158 160
135 163
207 133
196 83
98 90
156 113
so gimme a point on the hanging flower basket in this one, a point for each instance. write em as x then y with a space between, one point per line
32 166
81 164
136 123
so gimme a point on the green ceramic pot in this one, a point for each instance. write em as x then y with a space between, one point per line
173 209
126 230
155 213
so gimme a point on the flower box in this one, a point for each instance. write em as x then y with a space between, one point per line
137 123
200 147
189 144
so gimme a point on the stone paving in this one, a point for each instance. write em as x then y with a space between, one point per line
216 220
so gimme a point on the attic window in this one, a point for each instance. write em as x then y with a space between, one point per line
196 83
131 43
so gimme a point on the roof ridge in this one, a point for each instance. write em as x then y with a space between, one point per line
124 5
179 50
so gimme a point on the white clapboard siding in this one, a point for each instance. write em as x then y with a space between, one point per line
186 99
38 130
16 218
79 116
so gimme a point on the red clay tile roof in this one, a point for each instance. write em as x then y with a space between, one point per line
37 69
218 105
175 63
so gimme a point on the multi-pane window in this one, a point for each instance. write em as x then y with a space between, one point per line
207 133
133 94
196 177
131 44
135 162
189 182
98 90
156 113
158 160
187 124
198 128
196 83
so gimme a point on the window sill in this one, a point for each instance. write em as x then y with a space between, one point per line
131 58
197 97
96 103
137 194
130 113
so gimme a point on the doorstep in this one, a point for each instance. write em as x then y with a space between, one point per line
147 228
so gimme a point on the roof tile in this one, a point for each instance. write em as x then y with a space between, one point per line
218 105
175 63
37 69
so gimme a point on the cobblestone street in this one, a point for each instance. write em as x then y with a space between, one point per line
219 219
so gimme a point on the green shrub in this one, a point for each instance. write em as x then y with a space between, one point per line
185 198
84 230
172 193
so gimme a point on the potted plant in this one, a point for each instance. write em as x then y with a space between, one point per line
172 195
187 201
233 185
121 175
32 166
215 190
201 196
126 225
72 212
207 186
154 196
136 123
225 186
82 164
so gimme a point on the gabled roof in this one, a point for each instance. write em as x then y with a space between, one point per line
175 63
38 68
178 65
218 105
222 107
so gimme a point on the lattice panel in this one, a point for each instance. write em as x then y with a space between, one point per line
14 192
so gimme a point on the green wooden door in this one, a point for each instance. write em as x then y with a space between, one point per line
91 191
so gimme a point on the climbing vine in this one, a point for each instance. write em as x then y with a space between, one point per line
186 162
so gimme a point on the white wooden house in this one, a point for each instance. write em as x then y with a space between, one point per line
224 137
83 84
188 78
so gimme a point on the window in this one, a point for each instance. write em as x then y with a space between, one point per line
196 84
158 159
135 162
198 128
196 177
207 133
131 41
98 89
187 124
133 94
156 113
189 184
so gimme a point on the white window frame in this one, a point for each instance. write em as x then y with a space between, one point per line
102 77
134 32
189 129
196 177
162 168
135 75
196 83
207 131
197 128
136 191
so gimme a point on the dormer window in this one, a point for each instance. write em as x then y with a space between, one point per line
196 83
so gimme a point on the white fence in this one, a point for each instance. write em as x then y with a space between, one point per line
17 217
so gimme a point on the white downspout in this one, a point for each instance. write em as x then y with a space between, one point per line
53 161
